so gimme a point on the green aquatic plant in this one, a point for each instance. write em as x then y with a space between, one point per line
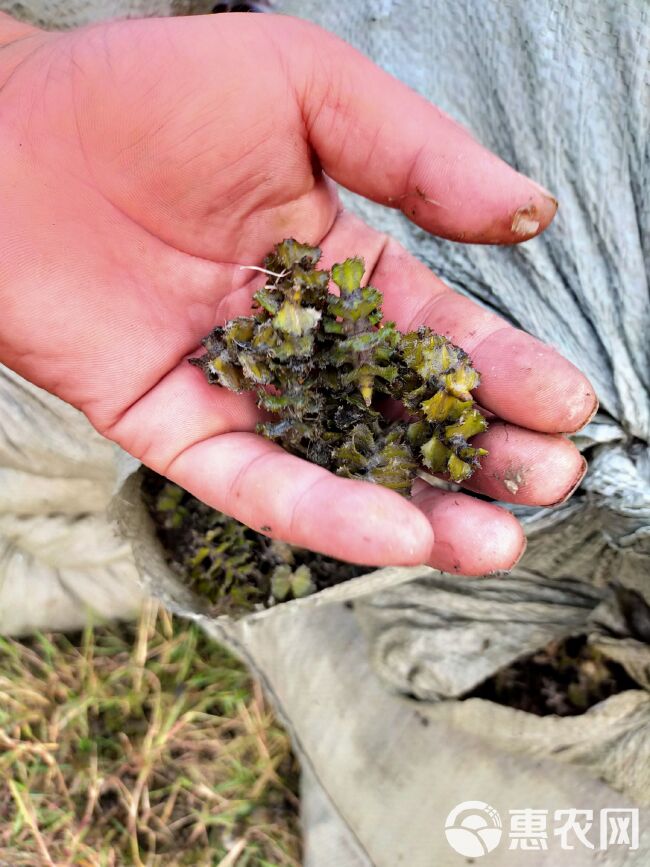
322 361
233 568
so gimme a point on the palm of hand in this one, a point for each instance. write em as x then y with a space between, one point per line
149 161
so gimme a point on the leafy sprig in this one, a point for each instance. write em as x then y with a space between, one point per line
321 362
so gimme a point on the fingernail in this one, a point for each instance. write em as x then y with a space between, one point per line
528 220
593 412
595 406
575 484
533 217
525 221
521 553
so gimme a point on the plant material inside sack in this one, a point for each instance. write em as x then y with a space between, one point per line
232 568
565 678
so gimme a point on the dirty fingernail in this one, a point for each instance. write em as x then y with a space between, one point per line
576 483
533 218
521 552
525 221
593 403
593 411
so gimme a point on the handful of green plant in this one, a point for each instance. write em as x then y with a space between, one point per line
322 362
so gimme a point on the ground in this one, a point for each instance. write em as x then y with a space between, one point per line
140 744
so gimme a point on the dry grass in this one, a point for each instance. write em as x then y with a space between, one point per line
143 745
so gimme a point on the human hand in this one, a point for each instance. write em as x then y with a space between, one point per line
142 162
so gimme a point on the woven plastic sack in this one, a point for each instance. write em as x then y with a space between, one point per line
61 561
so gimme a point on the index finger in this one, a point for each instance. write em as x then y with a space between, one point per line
377 137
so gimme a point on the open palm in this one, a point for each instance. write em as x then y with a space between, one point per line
143 162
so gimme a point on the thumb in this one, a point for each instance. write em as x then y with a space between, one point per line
377 137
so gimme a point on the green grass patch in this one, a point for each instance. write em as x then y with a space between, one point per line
144 744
